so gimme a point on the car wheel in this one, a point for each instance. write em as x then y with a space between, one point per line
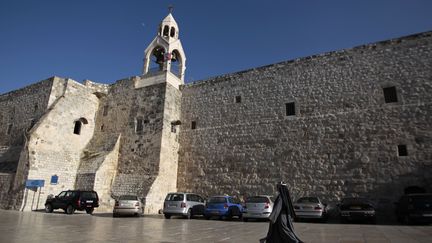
167 216
89 210
48 208
207 217
229 215
245 219
115 215
189 214
70 209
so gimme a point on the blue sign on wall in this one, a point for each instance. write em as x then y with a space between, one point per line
35 183
54 180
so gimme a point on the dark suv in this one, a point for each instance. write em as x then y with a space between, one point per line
70 201
414 208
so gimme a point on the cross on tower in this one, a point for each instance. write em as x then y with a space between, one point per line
170 8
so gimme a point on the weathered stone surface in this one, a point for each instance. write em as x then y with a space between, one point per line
341 142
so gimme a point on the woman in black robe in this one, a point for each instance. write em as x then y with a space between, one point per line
281 228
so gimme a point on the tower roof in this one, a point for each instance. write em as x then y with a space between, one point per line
170 21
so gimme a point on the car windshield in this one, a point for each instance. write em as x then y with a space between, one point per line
217 200
128 197
308 200
257 200
89 195
174 197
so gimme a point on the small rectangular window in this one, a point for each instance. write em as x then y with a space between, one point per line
105 110
402 150
77 128
9 130
193 125
139 125
290 109
238 99
390 94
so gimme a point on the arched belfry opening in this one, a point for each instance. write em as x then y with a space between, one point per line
166 31
157 59
172 32
176 63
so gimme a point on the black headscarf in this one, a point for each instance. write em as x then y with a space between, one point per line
281 228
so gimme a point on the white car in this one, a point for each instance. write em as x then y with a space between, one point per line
128 204
183 204
257 207
310 208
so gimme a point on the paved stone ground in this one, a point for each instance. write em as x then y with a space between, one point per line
58 227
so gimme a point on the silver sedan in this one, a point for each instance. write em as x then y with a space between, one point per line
128 205
310 208
257 207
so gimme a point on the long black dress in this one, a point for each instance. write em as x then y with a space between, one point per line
281 228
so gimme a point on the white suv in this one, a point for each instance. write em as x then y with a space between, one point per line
183 204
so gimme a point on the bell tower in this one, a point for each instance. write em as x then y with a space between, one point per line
156 115
165 52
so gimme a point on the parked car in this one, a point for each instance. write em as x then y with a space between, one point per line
73 200
128 205
257 207
414 208
183 204
357 209
223 207
310 208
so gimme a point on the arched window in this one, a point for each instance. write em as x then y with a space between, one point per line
165 31
172 33
78 125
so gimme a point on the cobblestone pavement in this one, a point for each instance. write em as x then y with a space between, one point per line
59 227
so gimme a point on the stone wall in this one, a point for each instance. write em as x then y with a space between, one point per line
19 108
105 176
166 180
137 113
19 111
343 139
139 150
53 147
6 182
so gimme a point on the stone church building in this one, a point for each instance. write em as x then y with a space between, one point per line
354 122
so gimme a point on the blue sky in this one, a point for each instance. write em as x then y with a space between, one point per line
104 40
